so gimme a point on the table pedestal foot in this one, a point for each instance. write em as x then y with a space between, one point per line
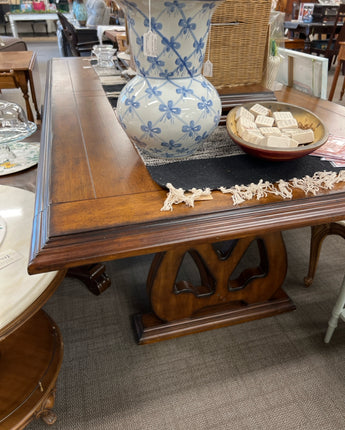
227 291
49 417
46 414
93 276
150 329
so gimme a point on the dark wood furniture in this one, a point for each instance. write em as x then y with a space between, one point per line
79 41
321 12
17 68
309 28
4 22
329 47
324 12
93 275
340 64
96 202
297 44
303 30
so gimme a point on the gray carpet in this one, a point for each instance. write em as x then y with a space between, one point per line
270 374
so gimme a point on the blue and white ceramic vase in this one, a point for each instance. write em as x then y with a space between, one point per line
169 108
80 12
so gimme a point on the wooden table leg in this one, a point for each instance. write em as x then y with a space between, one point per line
93 276
22 80
335 80
342 88
33 95
223 297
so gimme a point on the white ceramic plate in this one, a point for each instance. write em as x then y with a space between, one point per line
27 155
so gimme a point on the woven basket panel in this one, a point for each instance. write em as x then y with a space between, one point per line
238 52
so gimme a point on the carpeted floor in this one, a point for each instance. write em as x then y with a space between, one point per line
270 374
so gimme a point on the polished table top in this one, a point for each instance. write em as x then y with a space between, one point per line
12 60
96 200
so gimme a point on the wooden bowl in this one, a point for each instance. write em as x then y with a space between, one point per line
305 119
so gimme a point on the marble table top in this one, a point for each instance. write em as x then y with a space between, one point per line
2 229
18 290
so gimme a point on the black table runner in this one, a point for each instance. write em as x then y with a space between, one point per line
220 163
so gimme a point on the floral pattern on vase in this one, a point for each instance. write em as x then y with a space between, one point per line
169 108
80 11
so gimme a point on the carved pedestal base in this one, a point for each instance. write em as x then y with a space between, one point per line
227 293
93 276
30 360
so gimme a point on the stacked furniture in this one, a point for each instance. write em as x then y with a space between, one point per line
77 43
329 47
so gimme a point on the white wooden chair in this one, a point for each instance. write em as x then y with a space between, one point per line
318 234
337 312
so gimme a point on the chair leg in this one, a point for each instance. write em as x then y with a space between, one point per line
339 306
318 233
342 89
334 82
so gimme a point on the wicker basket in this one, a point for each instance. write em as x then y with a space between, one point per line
238 52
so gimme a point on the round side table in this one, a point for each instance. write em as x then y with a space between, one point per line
31 347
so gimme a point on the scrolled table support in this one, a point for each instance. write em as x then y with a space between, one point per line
223 297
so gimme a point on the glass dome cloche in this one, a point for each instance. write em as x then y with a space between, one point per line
14 127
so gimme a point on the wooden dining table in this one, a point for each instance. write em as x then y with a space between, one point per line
96 202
